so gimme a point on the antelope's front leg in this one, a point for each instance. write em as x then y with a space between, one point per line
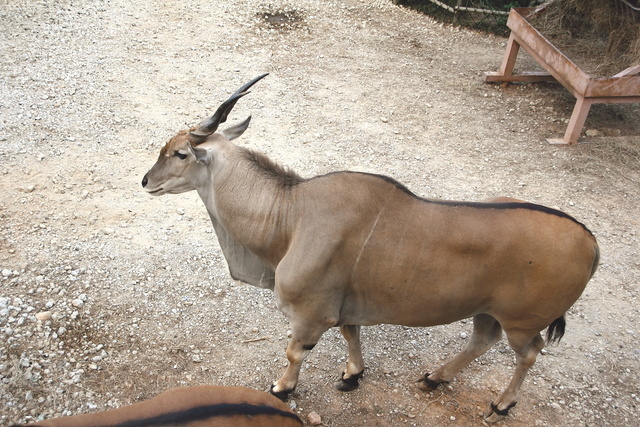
303 339
355 362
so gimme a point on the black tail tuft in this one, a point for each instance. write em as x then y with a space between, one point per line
555 331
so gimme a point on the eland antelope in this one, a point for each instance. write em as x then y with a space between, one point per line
348 249
200 406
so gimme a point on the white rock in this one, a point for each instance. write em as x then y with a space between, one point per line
27 189
314 419
43 315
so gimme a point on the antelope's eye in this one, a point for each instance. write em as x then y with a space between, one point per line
180 155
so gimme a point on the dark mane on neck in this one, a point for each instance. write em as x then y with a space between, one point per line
283 176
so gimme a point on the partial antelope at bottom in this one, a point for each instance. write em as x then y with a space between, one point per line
201 406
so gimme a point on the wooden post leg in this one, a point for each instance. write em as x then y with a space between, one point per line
510 54
505 74
576 122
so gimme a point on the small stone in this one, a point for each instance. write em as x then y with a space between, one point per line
464 335
6 272
384 120
43 315
314 419
77 302
27 188
593 132
108 231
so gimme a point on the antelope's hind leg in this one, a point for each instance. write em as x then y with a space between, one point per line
526 348
355 362
486 332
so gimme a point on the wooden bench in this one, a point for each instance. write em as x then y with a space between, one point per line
588 90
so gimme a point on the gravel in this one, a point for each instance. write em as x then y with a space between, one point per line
108 296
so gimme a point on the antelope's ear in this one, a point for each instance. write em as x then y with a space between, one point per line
202 155
235 131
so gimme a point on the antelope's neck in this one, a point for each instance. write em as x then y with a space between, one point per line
254 209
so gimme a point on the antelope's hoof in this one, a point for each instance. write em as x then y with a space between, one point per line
282 395
425 384
349 384
494 414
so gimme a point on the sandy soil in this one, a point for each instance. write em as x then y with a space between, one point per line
138 292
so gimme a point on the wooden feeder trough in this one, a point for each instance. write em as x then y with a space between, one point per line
620 88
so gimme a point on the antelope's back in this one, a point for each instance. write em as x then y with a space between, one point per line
418 262
202 406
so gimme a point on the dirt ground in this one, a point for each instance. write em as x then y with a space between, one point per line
132 292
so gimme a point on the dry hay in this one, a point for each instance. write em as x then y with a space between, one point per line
600 36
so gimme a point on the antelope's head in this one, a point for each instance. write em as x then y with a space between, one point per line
184 160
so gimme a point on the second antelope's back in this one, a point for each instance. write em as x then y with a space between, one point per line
200 406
